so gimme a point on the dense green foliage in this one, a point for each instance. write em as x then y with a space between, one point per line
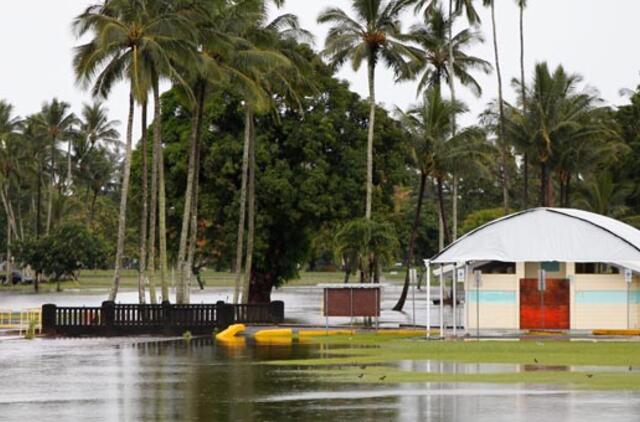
68 249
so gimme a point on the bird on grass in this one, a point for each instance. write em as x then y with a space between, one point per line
361 375
535 360
589 375
382 378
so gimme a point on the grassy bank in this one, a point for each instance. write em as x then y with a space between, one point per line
370 359
129 280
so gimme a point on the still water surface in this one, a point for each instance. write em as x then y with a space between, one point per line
160 379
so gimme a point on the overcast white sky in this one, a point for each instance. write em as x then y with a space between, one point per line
595 38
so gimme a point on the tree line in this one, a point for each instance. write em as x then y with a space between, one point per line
260 160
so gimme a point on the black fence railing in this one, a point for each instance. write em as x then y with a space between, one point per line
112 319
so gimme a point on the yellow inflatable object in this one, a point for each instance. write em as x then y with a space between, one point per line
231 332
324 333
280 332
276 337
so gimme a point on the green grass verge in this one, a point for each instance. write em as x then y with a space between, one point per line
367 358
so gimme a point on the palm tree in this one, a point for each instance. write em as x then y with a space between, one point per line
372 35
436 153
602 195
500 132
560 125
133 41
443 58
522 4
57 123
95 127
432 38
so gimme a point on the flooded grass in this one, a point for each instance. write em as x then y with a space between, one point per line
368 358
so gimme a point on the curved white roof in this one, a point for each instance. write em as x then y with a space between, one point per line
548 234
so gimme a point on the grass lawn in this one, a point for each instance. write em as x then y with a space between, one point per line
368 358
129 279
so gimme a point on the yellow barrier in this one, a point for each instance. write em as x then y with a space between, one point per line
20 319
616 332
231 332
324 333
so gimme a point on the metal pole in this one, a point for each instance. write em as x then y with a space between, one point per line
412 280
454 306
441 301
478 276
428 265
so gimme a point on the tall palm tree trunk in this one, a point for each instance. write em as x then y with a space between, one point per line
39 201
9 273
443 215
412 241
372 120
162 215
181 290
452 88
251 205
145 212
501 140
193 232
525 158
122 218
69 176
153 202
248 118
52 186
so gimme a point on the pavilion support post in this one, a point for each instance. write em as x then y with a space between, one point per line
441 301
428 269
454 305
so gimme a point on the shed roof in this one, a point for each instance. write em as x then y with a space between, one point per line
548 234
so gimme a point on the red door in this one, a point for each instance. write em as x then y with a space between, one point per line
548 309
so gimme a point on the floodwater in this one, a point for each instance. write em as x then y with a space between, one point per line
125 379
302 304
168 380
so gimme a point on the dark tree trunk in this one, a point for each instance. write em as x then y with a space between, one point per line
544 200
412 240
347 271
567 191
439 183
525 193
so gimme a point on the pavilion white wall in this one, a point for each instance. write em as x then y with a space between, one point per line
499 301
599 301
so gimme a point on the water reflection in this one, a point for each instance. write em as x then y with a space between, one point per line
159 379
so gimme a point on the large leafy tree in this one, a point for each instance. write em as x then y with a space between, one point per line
307 172
373 34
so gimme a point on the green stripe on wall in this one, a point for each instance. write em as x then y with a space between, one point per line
498 297
607 297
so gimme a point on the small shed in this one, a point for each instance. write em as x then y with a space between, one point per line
549 268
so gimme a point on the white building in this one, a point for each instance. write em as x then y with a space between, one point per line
589 281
